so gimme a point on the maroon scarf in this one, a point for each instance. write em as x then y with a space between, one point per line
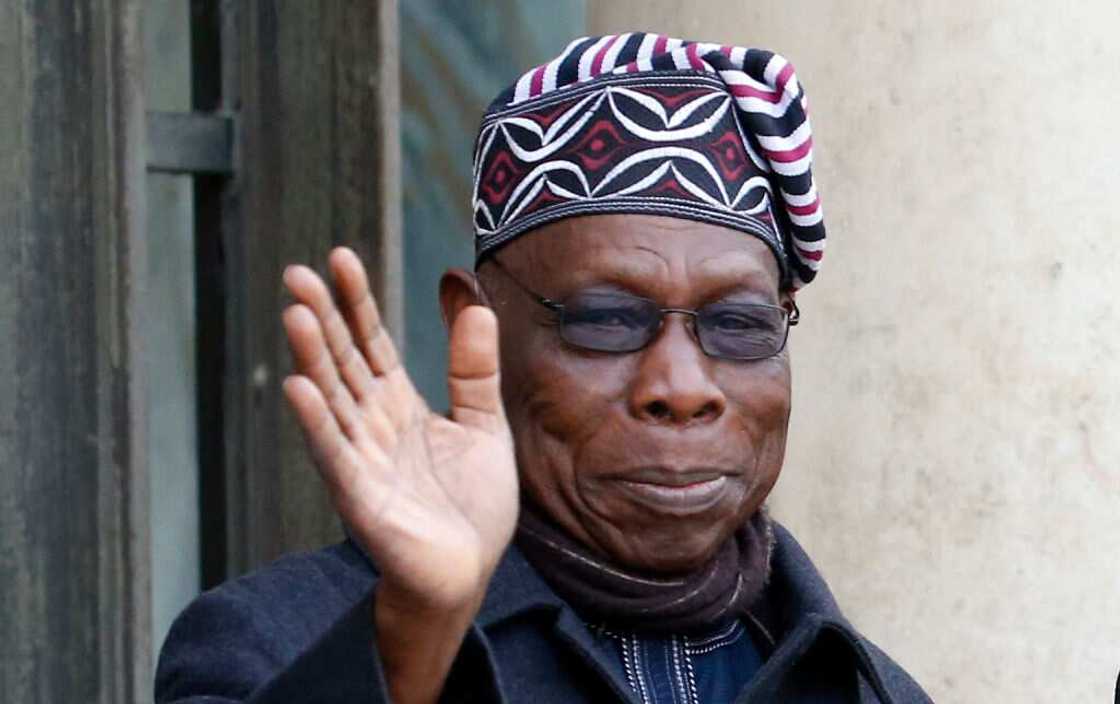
603 593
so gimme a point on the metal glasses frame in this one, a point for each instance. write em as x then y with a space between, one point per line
792 317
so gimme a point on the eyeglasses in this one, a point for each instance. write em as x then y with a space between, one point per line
619 322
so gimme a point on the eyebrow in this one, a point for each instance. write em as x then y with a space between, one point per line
722 280
624 271
718 264
741 272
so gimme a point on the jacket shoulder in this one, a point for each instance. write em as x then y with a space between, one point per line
233 638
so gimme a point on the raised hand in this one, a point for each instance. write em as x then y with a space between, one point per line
433 499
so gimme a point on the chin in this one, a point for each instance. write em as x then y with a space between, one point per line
677 548
656 539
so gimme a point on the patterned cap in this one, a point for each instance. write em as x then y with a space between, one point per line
643 123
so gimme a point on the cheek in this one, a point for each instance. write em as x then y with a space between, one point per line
563 393
557 402
568 414
760 404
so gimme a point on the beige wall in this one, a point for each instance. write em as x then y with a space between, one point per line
954 464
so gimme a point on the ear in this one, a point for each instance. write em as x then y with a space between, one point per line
786 299
458 288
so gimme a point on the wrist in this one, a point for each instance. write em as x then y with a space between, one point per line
418 641
396 607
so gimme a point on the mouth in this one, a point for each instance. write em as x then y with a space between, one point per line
676 492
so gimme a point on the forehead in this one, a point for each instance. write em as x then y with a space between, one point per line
663 250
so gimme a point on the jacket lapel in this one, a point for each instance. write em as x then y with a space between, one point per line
517 589
819 657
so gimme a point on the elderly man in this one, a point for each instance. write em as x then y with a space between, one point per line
589 525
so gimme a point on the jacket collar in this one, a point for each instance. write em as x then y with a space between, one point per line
515 588
796 608
796 590
799 608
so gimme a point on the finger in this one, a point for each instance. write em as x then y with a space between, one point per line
396 393
360 311
313 360
338 459
473 380
306 286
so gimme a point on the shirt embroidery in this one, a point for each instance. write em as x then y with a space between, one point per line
686 670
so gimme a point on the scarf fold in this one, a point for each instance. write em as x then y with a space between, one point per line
604 593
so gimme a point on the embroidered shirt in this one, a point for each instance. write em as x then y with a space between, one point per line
679 669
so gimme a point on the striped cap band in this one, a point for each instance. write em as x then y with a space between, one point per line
642 123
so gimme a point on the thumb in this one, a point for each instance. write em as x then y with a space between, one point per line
472 378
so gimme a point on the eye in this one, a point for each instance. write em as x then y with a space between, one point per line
740 319
610 312
605 317
737 322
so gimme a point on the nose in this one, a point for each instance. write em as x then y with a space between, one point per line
673 384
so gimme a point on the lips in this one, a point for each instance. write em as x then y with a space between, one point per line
676 492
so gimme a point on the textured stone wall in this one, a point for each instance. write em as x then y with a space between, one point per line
954 464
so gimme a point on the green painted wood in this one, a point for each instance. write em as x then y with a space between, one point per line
317 143
458 57
170 329
189 143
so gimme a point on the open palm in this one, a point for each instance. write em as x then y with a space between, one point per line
433 499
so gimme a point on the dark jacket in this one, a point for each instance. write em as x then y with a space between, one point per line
301 630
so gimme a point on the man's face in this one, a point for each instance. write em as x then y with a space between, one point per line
653 457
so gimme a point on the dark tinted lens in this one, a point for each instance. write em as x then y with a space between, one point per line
608 322
741 330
